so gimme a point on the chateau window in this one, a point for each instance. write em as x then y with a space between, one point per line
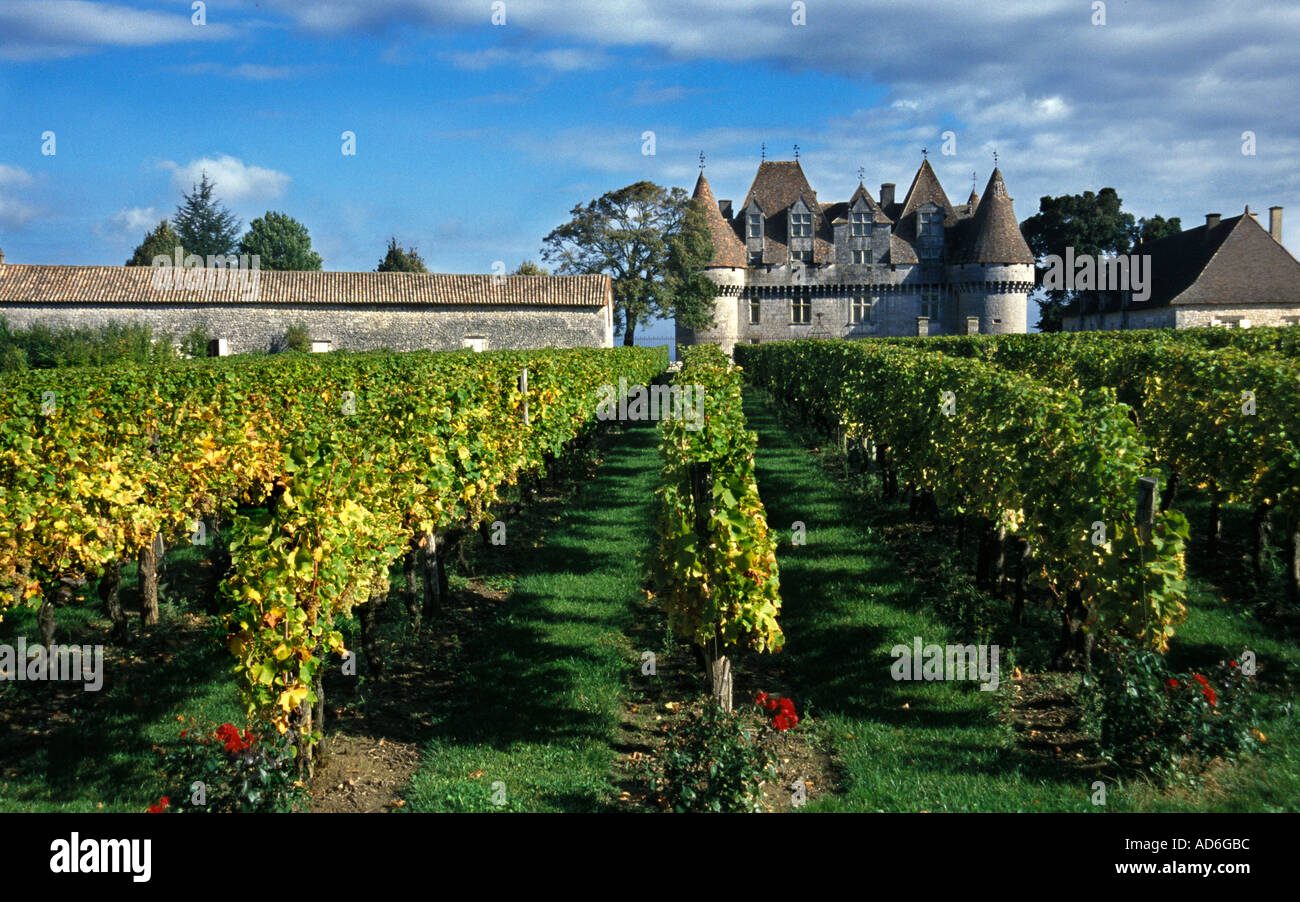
755 225
755 258
930 297
755 310
860 310
801 256
929 231
320 346
861 257
800 225
861 225
801 310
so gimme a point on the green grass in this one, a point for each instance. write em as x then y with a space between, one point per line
846 603
538 709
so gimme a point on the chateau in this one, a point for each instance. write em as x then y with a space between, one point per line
788 266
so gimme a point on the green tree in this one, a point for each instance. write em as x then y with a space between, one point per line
690 249
1155 228
1090 223
204 226
625 234
398 260
529 268
162 241
281 242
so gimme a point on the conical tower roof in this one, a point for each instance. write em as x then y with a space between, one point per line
727 249
994 235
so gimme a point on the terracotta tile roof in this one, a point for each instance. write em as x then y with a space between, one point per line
728 250
28 283
993 235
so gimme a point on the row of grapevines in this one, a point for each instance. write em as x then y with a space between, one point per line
356 455
1057 471
714 570
1227 419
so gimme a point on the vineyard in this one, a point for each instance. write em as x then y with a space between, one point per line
542 604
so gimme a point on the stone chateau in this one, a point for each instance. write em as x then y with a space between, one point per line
341 310
788 266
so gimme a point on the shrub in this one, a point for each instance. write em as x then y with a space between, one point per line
297 338
716 761
1145 715
240 772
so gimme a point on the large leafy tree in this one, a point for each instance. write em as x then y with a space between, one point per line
281 242
690 249
204 225
627 235
1091 223
162 241
398 260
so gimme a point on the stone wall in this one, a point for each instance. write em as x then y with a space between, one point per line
353 326
1180 317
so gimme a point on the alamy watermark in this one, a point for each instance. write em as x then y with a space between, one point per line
60 663
946 662
1085 272
654 402
219 272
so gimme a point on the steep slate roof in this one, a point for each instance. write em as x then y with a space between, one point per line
132 285
777 185
863 193
728 250
993 235
1234 262
925 188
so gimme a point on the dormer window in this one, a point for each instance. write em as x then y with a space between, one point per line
801 256
800 225
861 225
755 225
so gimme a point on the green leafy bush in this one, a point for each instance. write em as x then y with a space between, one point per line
1146 716
715 761
240 772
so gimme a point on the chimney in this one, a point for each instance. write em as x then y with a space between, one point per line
1274 226
1211 220
887 194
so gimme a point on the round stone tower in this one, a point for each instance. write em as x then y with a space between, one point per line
727 270
993 272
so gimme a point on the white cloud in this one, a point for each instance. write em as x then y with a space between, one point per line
562 59
53 29
246 71
137 219
14 212
234 180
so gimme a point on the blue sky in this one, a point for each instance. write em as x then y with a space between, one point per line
475 139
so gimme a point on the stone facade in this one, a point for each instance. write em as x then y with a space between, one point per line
353 311
790 267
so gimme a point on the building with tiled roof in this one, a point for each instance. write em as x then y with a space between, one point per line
250 310
1227 272
790 266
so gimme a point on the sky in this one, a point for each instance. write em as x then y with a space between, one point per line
479 125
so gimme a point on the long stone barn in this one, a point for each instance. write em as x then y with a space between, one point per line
340 310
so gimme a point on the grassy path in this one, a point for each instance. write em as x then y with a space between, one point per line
902 746
536 716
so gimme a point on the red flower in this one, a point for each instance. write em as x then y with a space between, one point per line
770 704
787 707
781 722
1202 680
1172 683
159 806
794 720
1211 696
1232 663
762 697
183 732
